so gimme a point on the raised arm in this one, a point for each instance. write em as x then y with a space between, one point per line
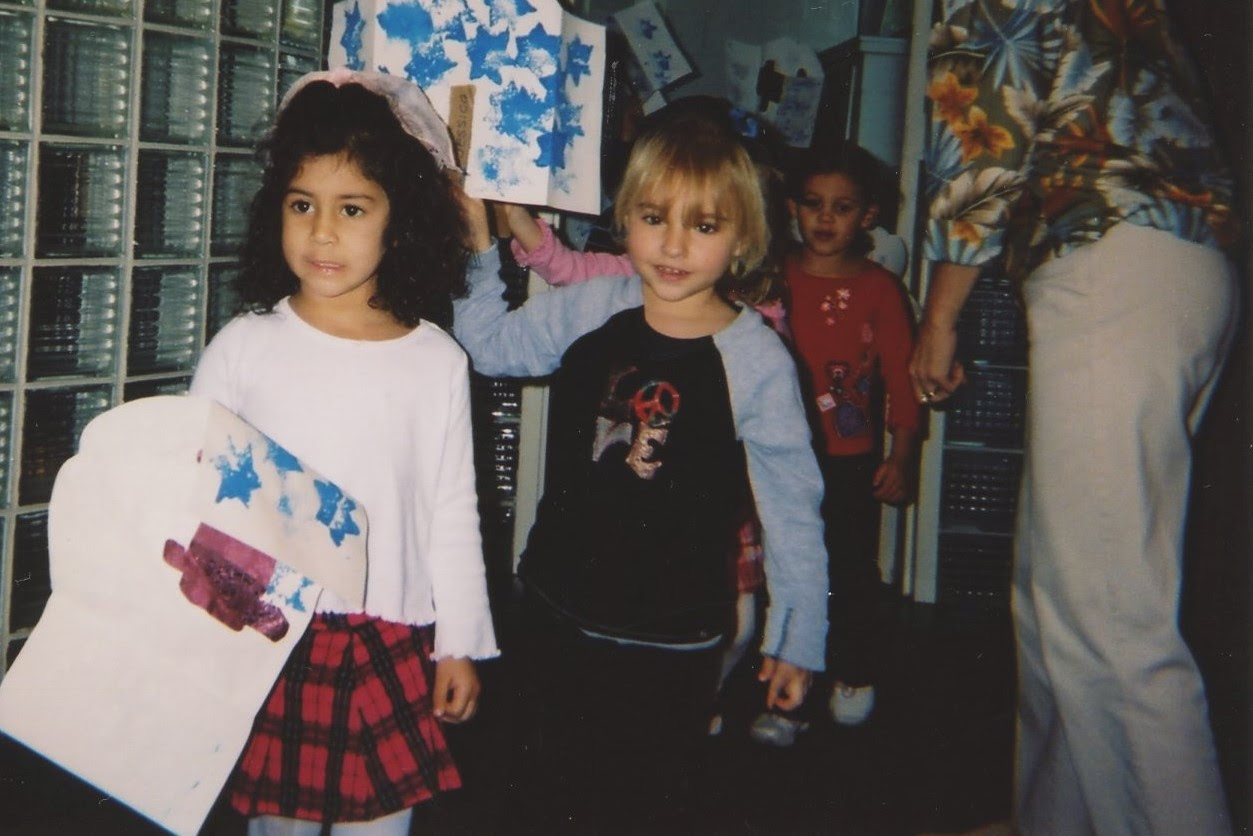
534 245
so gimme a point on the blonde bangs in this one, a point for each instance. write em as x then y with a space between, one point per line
700 173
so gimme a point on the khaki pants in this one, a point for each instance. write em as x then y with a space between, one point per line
1127 337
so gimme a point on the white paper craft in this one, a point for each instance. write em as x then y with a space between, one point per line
781 80
538 75
187 552
658 56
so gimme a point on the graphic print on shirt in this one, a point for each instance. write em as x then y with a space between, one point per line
849 391
635 410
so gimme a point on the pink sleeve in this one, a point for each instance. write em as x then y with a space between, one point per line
558 264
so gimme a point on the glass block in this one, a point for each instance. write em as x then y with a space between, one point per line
248 18
13 157
990 409
302 23
246 81
32 582
291 67
196 14
148 388
177 81
164 325
223 298
81 201
15 70
235 181
6 446
55 418
86 77
113 8
73 322
10 304
979 490
170 204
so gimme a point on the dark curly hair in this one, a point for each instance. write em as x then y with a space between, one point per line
424 264
862 168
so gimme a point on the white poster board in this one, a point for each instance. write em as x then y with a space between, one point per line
537 75
187 552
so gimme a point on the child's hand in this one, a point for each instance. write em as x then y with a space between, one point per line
522 226
893 482
456 695
787 684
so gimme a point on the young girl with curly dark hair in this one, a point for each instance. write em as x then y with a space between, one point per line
354 253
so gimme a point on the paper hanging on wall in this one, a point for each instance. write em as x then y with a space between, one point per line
781 80
187 552
659 59
538 73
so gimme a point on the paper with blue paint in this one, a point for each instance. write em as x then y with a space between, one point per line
183 550
782 80
538 74
657 54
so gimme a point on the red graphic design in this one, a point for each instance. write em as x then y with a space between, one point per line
226 579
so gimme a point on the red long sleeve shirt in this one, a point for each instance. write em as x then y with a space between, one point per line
854 336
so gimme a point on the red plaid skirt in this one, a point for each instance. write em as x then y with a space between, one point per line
347 733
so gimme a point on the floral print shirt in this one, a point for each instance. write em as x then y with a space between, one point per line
1054 120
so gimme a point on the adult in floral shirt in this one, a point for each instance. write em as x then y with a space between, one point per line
1069 147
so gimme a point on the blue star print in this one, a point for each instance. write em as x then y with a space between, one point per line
507 11
578 60
354 27
487 54
239 477
335 512
647 28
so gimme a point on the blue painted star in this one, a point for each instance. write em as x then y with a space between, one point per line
335 511
412 23
521 113
487 54
428 65
578 60
283 461
538 50
647 28
239 477
354 27
661 60
507 11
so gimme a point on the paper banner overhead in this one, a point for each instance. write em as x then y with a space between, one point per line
537 75
187 552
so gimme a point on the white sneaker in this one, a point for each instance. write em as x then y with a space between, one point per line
775 729
851 706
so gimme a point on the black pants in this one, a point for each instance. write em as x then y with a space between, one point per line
851 517
614 729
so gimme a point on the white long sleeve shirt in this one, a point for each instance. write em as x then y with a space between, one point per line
389 422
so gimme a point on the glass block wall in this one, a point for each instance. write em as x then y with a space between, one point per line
126 167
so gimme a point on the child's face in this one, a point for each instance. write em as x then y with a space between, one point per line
680 249
334 219
830 213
